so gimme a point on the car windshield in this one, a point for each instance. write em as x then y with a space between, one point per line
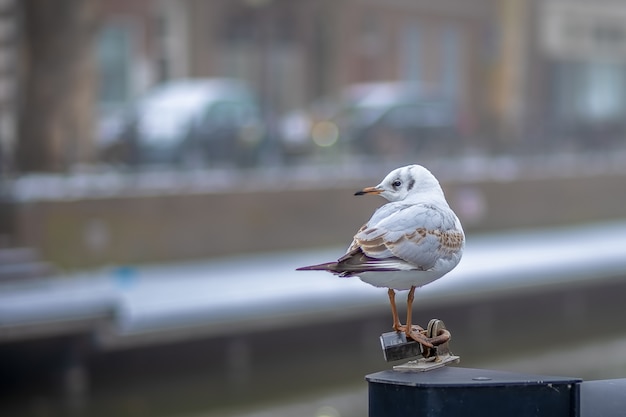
166 114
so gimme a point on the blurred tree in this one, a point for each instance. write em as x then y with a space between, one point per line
58 84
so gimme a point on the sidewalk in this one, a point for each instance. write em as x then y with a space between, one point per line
128 306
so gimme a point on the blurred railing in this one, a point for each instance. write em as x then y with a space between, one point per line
105 182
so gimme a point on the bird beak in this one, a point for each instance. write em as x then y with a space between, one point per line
369 190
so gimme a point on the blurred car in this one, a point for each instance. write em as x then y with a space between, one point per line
374 118
190 122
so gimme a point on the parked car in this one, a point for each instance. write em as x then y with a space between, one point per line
374 118
190 122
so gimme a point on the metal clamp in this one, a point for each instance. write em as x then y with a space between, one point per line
396 347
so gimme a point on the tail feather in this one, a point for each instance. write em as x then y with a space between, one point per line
328 266
355 262
337 268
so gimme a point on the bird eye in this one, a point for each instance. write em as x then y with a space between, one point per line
396 183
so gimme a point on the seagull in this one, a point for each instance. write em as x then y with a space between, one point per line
409 242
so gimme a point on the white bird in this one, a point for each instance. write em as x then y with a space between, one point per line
409 242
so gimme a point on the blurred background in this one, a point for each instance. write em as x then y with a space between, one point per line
166 165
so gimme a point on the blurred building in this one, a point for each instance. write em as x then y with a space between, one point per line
526 74
294 52
8 80
577 72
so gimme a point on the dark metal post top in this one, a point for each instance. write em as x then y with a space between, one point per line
464 377
452 391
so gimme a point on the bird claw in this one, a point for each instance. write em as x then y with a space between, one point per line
401 328
420 337
416 333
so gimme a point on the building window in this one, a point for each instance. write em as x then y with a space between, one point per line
605 91
591 91
411 53
451 71
114 58
171 40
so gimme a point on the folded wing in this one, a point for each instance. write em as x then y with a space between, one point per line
415 234
400 238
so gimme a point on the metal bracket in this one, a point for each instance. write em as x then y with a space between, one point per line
396 347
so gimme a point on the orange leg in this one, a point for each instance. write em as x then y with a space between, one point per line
397 326
409 309
410 333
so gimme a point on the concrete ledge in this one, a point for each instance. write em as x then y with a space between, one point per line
88 232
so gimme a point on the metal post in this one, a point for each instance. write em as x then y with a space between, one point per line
451 391
603 398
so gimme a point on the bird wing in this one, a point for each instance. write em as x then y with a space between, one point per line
417 234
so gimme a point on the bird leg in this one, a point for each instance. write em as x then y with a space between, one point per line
408 329
394 311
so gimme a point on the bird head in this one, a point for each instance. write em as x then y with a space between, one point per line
405 183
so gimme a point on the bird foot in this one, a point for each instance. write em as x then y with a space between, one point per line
419 336
416 333
399 327
414 328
